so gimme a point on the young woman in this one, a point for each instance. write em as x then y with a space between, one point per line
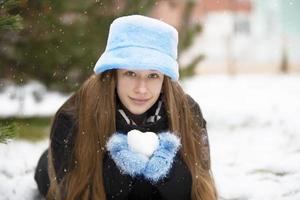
130 131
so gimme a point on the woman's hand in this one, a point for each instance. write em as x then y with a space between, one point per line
135 160
161 162
128 161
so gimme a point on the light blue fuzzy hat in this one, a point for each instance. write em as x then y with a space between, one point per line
140 43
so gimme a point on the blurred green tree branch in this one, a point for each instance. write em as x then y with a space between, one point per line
10 22
187 33
7 131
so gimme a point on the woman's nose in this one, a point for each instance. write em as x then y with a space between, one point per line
141 86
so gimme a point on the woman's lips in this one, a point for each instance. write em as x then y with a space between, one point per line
138 101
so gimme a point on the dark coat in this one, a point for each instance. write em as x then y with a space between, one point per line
177 184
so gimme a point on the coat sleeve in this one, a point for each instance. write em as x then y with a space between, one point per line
62 144
202 136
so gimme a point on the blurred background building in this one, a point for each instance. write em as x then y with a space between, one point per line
241 36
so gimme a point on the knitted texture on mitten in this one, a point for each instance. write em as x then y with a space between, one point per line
129 162
133 163
162 159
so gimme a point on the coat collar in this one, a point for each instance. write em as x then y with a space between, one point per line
154 119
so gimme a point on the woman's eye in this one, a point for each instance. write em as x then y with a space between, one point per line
154 75
130 73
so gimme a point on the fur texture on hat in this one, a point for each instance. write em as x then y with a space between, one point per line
137 42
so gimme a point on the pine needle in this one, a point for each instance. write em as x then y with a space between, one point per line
7 132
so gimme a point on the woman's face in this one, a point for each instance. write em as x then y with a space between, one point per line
138 90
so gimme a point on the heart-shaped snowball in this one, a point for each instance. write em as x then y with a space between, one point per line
142 142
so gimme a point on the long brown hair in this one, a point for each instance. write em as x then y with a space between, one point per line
93 107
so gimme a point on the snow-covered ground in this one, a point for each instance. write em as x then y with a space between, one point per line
31 99
254 136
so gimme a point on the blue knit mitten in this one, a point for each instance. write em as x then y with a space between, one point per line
162 159
129 162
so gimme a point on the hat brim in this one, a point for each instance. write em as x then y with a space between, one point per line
137 58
